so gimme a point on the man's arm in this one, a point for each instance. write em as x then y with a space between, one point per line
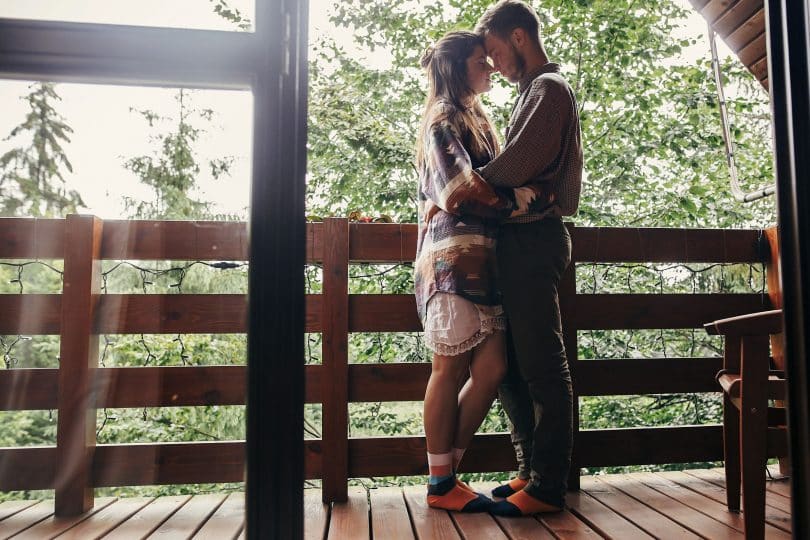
453 186
535 139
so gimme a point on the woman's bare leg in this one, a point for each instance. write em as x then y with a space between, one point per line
442 401
487 369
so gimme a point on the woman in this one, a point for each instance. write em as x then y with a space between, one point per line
454 276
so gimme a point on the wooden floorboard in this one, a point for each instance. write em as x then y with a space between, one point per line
190 518
774 516
771 499
107 519
48 528
10 508
28 517
317 515
705 505
389 513
565 525
644 517
682 505
481 526
226 522
428 522
148 518
687 516
602 519
350 519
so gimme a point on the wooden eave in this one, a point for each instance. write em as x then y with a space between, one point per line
741 25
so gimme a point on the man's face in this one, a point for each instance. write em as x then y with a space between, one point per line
506 58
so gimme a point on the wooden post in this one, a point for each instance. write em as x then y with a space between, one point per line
78 357
335 317
567 293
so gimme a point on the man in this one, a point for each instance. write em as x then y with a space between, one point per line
543 145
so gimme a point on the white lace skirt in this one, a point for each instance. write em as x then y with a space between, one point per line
454 325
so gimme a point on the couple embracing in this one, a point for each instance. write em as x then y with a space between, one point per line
491 250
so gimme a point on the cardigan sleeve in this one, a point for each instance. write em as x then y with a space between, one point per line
451 184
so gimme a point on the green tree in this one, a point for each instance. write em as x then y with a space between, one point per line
32 181
650 123
172 169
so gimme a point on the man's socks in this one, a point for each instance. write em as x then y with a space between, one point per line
510 488
522 504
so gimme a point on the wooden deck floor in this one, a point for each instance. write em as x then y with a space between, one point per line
639 505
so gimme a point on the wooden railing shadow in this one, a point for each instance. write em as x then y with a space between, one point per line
80 314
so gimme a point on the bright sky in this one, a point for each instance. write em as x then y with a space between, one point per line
106 132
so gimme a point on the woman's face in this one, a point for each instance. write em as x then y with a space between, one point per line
479 71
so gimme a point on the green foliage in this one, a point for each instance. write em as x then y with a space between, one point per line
32 179
224 10
650 122
172 170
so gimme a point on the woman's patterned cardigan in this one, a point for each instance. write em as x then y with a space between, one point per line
459 214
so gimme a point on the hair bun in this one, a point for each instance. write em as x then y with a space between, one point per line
427 57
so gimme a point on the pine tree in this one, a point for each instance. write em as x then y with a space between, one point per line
31 175
172 171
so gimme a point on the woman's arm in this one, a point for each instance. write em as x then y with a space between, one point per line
452 185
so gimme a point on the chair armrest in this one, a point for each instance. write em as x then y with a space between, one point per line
751 324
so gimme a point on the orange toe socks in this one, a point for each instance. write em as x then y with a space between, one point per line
513 486
456 498
529 505
464 485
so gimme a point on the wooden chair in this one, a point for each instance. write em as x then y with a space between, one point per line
752 430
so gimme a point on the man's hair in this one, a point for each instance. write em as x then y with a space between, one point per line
507 15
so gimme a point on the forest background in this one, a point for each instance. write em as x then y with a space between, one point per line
654 156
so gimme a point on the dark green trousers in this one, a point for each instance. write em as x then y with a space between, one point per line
536 392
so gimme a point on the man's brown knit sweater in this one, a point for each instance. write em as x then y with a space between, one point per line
543 143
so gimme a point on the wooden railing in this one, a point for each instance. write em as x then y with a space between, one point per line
80 314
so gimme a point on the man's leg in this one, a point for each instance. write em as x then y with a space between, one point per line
531 260
517 404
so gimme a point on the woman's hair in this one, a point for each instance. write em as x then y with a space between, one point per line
449 96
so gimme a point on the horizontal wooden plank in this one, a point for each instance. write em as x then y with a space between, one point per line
32 238
738 16
384 456
652 311
648 446
714 9
388 382
382 242
28 389
622 244
182 463
397 313
746 32
30 314
171 313
760 71
169 386
754 50
177 386
407 382
383 313
175 240
226 313
397 242
27 468
635 376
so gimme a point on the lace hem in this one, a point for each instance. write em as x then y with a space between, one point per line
488 327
